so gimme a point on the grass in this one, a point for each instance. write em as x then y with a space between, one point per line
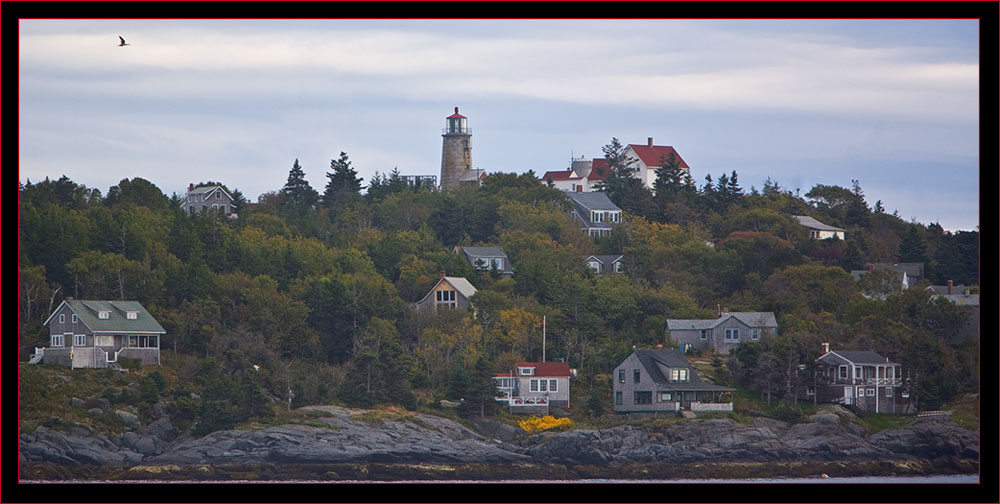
884 421
966 411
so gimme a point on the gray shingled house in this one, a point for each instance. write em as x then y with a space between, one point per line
448 292
862 380
724 333
199 199
662 380
96 333
483 259
605 263
595 212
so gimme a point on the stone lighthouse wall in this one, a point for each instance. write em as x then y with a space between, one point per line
456 158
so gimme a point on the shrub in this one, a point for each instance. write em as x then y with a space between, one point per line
539 424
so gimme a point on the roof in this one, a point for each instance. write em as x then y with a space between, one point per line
599 169
87 311
458 283
672 358
209 189
472 175
943 289
456 115
911 269
605 259
560 175
547 368
652 155
960 299
483 251
858 356
811 223
752 319
593 201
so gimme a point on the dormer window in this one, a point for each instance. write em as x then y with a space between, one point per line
526 371
678 374
104 315
132 315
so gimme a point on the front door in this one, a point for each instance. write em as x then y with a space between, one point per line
848 395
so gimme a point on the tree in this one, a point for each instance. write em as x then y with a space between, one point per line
299 196
620 183
343 184
913 246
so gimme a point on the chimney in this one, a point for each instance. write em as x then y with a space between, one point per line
826 348
649 141
949 287
442 274
456 110
870 266
190 187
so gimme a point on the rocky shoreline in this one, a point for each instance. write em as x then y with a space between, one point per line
341 444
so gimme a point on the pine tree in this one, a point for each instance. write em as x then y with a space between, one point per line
913 247
343 182
299 195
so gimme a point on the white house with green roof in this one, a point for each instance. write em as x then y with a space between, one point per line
96 333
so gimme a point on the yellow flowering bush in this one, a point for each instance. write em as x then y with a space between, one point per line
538 424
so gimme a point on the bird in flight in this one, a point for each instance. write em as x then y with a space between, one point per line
123 43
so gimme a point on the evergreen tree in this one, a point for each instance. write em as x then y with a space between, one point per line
913 247
298 194
343 184
620 180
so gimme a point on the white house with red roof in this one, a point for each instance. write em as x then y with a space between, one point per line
532 387
584 174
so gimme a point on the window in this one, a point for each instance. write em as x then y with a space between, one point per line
104 340
678 374
526 371
618 267
843 371
642 397
704 335
104 315
553 386
888 391
618 398
75 318
62 318
132 315
594 265
635 376
57 340
621 376
870 392
498 263
446 297
533 385
732 334
754 334
218 195
79 340
542 385
857 372
665 397
136 341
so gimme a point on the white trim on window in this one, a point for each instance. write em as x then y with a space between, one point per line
732 334
57 340
79 340
62 318
104 315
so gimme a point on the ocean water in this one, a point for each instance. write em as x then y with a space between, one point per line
951 479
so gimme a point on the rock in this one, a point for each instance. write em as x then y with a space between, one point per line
104 404
129 418
96 411
160 410
162 429
76 402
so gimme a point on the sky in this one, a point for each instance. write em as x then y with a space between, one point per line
893 104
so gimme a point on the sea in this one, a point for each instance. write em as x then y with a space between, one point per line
950 479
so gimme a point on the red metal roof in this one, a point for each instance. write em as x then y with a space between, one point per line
560 175
547 368
456 115
652 155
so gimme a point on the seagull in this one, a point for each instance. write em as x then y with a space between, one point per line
123 43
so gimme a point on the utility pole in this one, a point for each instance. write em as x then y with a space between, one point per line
543 338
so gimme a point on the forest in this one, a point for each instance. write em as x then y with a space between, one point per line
316 286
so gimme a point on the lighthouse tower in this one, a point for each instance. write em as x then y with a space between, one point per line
456 153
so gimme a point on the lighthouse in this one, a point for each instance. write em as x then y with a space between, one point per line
456 153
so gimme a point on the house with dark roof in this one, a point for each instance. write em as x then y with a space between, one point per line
861 380
962 296
605 263
96 333
724 333
595 213
662 380
201 198
818 230
447 293
534 387
485 259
